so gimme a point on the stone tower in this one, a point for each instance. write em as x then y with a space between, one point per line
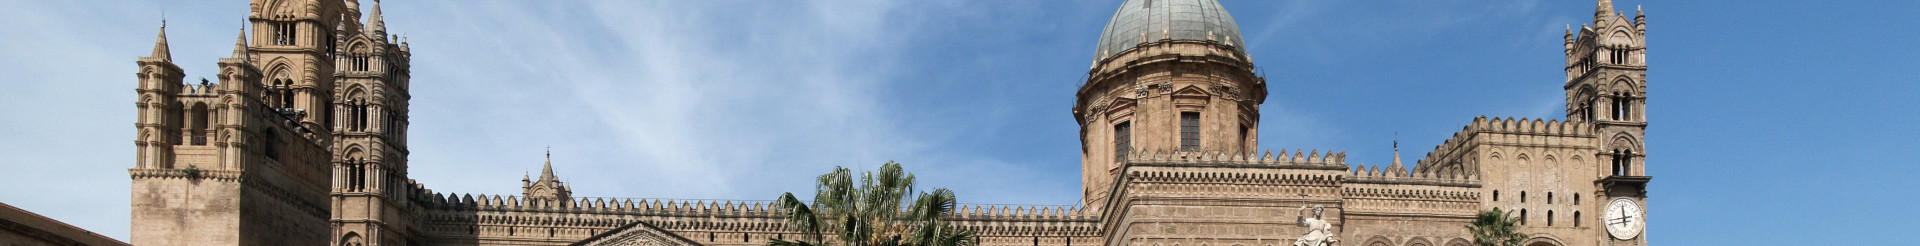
370 72
1168 75
300 143
1607 86
226 163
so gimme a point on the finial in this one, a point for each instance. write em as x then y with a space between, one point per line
1396 149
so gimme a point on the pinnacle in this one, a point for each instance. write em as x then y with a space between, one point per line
160 45
546 172
375 24
1604 6
240 45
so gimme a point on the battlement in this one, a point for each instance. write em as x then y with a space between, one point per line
1522 126
1396 174
1312 158
202 89
1001 211
654 206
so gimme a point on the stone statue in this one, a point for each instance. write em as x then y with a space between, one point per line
1319 232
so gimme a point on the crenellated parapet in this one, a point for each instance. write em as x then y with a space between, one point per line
1447 158
1300 159
1396 174
1026 222
497 218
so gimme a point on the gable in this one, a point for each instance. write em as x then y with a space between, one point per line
637 233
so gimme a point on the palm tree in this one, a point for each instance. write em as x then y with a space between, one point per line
870 213
1496 228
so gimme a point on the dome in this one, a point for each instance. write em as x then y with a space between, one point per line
1140 21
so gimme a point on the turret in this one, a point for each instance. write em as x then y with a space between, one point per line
159 118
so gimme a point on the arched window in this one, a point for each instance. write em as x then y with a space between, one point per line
1576 199
351 239
1576 218
1549 197
359 57
284 32
1626 106
1523 197
1523 216
197 124
360 112
1549 217
1621 160
1626 163
1496 195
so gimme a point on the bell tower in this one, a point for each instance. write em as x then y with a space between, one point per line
369 72
1607 87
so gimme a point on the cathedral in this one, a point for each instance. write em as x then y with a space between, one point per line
302 140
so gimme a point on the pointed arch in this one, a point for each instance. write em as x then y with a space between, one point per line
356 108
197 118
1543 239
279 84
1624 141
1419 241
359 55
1378 240
1623 84
1624 149
353 169
352 239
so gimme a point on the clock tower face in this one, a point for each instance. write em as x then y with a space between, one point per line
1624 219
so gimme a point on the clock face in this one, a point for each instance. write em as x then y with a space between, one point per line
1624 219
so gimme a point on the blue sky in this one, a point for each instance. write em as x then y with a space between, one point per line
1769 118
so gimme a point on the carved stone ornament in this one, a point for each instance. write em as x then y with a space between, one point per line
1319 232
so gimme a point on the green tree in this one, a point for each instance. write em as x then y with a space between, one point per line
1496 228
871 212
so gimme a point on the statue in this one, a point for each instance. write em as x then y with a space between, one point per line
1319 232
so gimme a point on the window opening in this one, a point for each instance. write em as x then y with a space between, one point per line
1122 140
1190 131
284 32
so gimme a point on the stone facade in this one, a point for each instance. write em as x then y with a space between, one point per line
303 142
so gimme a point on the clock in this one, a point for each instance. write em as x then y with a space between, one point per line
1624 219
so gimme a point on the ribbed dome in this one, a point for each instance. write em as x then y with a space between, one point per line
1140 21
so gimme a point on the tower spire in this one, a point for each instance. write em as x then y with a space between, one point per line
160 44
240 45
375 24
546 171
1603 9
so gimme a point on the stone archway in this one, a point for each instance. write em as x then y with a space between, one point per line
1543 241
